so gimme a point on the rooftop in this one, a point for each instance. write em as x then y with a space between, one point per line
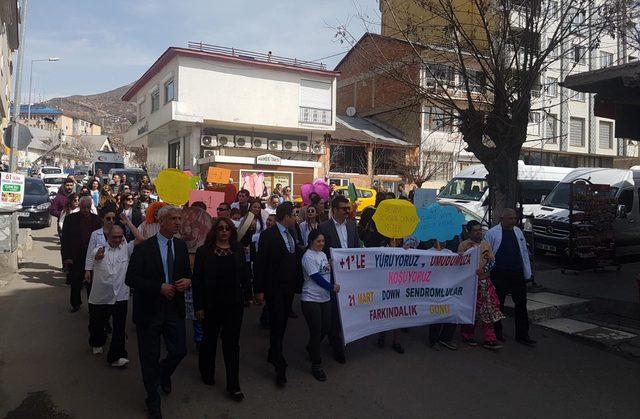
38 110
217 53
366 130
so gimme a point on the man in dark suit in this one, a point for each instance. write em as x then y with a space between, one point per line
338 232
159 273
277 280
76 232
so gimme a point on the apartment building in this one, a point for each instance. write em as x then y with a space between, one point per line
52 119
563 129
9 40
249 112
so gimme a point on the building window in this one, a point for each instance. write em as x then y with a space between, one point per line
476 81
141 109
439 166
386 160
348 159
436 119
579 97
605 135
578 19
168 91
316 99
606 59
579 54
552 87
439 74
576 132
175 160
155 101
553 8
553 52
552 128
534 123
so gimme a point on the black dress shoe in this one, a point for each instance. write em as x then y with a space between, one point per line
165 384
339 357
526 341
281 378
236 396
318 373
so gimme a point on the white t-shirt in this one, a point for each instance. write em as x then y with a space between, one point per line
313 262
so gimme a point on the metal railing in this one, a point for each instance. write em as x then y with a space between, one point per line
255 56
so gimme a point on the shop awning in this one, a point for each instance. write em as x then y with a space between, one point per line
367 131
617 97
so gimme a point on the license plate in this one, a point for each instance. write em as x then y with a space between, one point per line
547 247
23 214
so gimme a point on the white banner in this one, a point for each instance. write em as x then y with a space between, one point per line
388 288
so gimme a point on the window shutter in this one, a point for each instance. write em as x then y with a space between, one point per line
315 94
604 135
576 133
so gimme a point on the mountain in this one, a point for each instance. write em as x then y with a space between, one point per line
106 109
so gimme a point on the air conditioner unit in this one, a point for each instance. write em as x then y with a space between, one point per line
275 145
208 141
259 143
304 146
290 145
225 141
243 141
317 147
208 153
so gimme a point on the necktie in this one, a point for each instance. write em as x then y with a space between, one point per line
169 261
290 240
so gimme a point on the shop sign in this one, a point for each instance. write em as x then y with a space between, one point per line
269 159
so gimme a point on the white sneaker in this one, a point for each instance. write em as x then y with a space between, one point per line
96 350
120 362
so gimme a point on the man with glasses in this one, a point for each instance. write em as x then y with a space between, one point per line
339 232
224 210
277 277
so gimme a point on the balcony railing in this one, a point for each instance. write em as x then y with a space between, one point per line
315 116
256 56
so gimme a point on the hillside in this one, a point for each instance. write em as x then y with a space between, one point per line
106 109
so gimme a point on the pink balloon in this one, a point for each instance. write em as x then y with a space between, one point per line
305 191
322 188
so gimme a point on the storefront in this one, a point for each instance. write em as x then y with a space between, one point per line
264 172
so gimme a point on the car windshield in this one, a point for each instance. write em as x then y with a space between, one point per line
559 196
50 170
34 187
54 180
464 188
532 191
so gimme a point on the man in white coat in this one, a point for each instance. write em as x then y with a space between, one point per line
511 271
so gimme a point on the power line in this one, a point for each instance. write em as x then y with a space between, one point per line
330 56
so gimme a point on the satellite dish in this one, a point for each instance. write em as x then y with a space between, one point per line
351 111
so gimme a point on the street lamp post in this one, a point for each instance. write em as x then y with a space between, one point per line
31 80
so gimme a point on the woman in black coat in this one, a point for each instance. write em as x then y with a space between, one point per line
220 287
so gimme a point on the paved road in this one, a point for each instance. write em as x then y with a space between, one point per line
47 371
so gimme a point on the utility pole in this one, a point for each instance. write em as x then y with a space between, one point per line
31 81
13 158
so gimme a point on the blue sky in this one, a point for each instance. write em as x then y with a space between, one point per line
106 44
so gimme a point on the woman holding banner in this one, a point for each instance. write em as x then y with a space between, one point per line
316 299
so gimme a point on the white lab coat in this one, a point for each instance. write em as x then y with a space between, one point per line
494 238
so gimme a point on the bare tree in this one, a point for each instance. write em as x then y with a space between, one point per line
481 63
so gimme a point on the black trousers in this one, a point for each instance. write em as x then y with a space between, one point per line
76 277
99 315
318 317
512 283
225 321
169 325
278 305
335 332
441 332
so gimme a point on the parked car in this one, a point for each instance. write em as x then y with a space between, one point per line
53 182
49 170
366 196
35 206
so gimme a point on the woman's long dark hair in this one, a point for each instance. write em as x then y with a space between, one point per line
366 221
70 199
314 234
210 241
259 216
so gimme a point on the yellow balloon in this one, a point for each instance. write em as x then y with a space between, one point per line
396 218
173 186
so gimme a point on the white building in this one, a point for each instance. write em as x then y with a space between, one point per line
248 112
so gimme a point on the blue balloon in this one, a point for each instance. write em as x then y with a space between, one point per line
439 222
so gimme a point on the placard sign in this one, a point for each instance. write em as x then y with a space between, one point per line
210 198
12 188
440 222
388 288
218 175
